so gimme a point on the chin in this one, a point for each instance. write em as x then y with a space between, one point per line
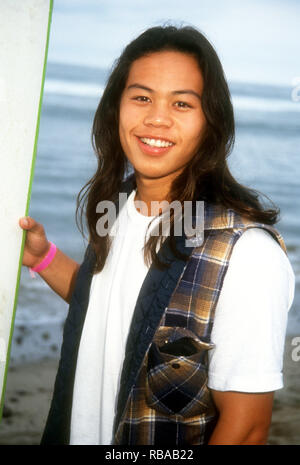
156 172
151 173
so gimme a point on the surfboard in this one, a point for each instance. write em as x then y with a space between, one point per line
24 39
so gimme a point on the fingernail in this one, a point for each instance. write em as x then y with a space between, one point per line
25 222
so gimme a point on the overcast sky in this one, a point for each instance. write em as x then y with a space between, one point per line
257 40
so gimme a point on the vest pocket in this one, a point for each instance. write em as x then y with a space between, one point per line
176 381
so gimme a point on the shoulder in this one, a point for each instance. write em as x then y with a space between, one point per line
251 316
259 238
257 247
259 262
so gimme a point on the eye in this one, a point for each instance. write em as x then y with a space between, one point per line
141 98
183 105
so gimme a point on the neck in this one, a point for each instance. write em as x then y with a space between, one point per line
150 191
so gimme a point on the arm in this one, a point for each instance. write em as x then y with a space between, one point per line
61 273
244 418
245 366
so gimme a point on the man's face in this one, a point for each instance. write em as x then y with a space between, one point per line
161 118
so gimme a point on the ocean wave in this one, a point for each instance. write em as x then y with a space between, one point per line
59 87
240 102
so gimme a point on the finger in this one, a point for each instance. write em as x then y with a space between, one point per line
29 223
24 222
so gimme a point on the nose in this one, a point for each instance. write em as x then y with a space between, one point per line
158 116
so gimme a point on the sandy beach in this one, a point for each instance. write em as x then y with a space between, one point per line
28 395
29 391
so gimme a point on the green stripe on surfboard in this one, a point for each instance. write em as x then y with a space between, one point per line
26 210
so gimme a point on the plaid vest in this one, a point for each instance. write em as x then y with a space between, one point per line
163 397
167 401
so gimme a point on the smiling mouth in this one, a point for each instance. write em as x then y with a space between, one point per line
160 143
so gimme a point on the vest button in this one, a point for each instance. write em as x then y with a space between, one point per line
175 365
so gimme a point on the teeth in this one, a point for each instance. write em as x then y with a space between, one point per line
156 142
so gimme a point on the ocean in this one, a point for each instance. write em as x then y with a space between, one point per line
265 157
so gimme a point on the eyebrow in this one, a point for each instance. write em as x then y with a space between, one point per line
174 92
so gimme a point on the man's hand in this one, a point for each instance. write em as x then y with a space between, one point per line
61 273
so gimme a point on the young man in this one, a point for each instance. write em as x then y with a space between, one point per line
188 351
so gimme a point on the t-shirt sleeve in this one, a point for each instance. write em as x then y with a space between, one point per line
251 317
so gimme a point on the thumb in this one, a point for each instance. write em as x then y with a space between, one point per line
24 222
29 223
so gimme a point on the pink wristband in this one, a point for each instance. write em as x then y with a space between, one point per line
45 262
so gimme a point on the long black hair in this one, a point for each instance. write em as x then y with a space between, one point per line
206 176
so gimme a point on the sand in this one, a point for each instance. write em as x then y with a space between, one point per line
285 427
27 400
29 391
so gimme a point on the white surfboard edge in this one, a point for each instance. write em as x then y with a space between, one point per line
24 42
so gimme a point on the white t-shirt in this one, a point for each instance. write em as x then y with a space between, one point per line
248 331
